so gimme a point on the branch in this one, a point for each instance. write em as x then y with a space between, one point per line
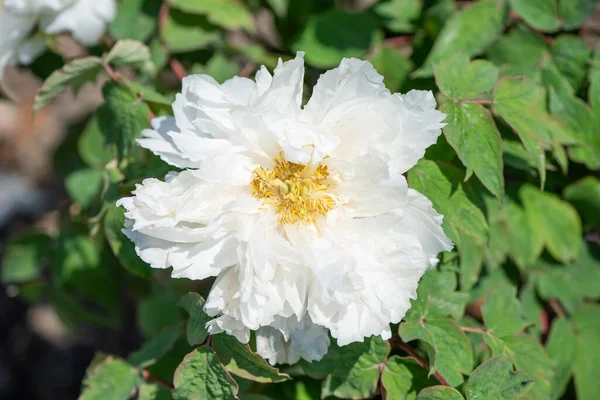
111 72
148 376
474 330
557 308
411 352
482 101
163 13
248 69
178 68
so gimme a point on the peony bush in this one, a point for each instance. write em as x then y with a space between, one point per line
392 199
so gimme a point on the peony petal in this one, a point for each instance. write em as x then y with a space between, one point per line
13 32
421 220
342 90
286 84
304 340
86 20
35 7
160 142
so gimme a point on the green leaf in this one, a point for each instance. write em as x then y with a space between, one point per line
437 296
540 14
494 279
202 376
459 78
561 348
515 156
158 313
584 195
184 32
74 74
111 379
502 313
529 356
587 326
153 391
23 257
575 12
571 55
280 7
471 261
584 125
75 256
439 393
448 347
83 185
243 362
196 331
571 283
444 185
92 145
469 31
228 14
72 312
399 15
393 66
495 379
122 247
525 243
532 308
219 67
351 371
122 117
130 53
143 12
155 348
402 378
521 103
471 131
335 34
594 90
519 52
556 221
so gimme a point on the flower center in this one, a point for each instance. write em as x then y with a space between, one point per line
297 192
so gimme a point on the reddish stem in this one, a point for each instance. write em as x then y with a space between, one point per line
544 321
163 13
474 330
148 376
248 69
411 352
111 72
399 41
178 68
557 308
482 101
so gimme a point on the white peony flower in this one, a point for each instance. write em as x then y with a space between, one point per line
86 20
302 213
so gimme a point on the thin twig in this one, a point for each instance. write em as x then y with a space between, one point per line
474 330
557 308
544 321
411 352
248 69
148 376
174 63
163 13
112 73
178 68
482 101
399 41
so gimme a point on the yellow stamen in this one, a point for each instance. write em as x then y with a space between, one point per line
297 192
